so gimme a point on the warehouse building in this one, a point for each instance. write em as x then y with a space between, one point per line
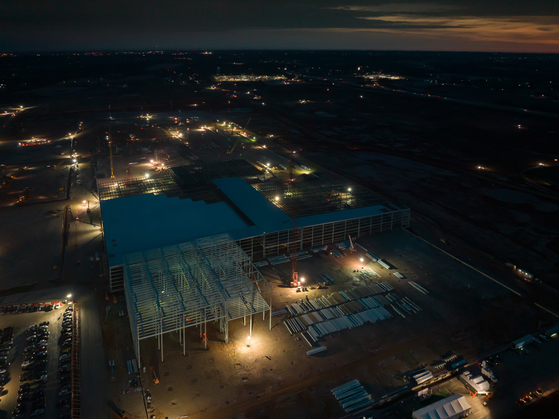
182 246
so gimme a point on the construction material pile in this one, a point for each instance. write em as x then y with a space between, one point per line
352 396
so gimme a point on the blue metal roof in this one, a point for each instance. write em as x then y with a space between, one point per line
263 213
149 221
142 222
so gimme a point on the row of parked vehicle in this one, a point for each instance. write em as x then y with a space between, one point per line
65 363
31 394
7 343
29 308
34 369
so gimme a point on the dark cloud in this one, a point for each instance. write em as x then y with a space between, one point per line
101 24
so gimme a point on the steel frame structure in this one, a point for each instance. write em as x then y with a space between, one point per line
190 284
158 183
272 244
311 198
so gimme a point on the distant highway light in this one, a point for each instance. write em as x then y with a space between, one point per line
147 175
277 198
541 164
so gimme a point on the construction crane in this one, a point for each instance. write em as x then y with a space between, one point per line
230 151
294 231
294 240
111 151
127 181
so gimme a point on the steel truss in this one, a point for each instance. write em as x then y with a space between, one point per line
190 284
157 183
311 198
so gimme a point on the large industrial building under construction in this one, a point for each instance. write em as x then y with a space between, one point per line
182 244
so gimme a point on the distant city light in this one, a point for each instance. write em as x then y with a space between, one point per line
277 198
147 175
69 296
349 189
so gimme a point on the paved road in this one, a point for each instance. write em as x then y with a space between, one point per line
83 241
93 363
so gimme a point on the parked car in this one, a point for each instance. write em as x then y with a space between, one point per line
64 392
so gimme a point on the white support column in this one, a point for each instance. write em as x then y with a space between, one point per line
251 323
205 335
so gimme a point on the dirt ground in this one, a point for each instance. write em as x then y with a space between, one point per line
463 312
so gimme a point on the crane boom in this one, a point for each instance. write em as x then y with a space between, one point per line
230 151
111 151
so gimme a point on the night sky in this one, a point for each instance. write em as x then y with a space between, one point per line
450 25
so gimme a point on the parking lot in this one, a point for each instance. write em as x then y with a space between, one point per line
36 356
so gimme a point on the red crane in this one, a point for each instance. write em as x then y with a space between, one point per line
294 231
294 240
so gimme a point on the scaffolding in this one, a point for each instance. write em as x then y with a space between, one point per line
188 285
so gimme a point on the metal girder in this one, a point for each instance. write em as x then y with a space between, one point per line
189 284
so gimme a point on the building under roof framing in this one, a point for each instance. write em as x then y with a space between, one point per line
172 288
158 183
316 197
261 225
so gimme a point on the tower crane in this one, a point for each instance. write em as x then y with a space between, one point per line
111 151
294 231
230 151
